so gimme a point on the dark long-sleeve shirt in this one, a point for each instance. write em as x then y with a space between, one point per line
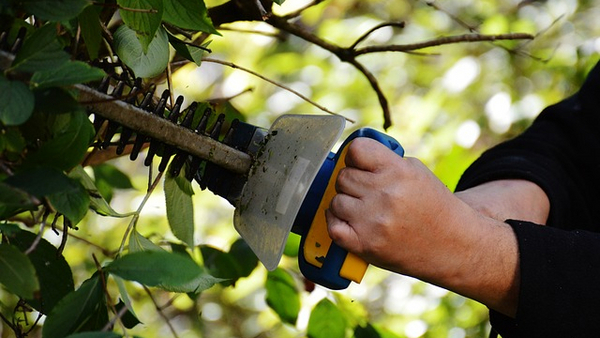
559 263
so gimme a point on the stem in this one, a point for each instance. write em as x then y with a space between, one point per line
136 215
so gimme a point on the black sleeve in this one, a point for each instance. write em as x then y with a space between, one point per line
559 263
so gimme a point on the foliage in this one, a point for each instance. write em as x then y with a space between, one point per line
181 270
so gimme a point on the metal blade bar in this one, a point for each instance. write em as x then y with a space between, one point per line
148 124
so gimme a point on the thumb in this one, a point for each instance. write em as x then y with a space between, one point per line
342 233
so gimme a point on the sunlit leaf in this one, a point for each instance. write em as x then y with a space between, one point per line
170 271
72 72
17 273
143 17
189 14
180 209
97 202
55 10
41 51
282 295
138 243
190 52
75 309
326 321
143 64
53 271
17 102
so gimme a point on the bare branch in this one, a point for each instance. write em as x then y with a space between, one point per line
446 40
400 24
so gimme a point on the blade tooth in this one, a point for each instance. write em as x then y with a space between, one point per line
141 139
112 127
18 41
159 111
182 156
126 133
169 150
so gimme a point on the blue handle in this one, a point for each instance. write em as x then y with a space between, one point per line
328 274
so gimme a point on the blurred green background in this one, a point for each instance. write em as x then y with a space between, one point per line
448 104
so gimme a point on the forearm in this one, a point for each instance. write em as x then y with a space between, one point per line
478 258
508 199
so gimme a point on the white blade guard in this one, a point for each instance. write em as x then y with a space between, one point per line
282 173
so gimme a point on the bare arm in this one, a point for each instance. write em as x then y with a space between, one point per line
396 214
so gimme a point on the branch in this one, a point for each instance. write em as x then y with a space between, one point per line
300 95
400 24
446 40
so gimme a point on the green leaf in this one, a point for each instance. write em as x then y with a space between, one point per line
282 295
143 17
65 194
221 264
73 203
326 321
76 309
41 51
180 209
95 335
367 331
53 271
243 254
144 64
189 14
138 243
70 73
169 271
279 2
128 319
97 202
40 182
91 30
17 273
14 200
17 102
54 100
125 300
188 51
55 10
108 178
68 145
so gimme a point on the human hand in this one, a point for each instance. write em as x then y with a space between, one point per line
394 213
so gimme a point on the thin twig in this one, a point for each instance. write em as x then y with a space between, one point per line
300 95
400 24
299 11
434 5
37 239
446 40
160 311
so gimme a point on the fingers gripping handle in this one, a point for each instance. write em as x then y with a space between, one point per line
321 260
